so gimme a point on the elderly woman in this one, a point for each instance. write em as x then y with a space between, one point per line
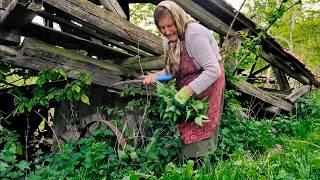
192 56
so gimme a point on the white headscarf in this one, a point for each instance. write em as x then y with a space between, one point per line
172 51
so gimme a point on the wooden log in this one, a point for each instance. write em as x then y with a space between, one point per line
281 79
113 5
69 41
38 55
104 21
262 95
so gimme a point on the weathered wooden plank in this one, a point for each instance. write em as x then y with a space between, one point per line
281 79
69 41
38 55
90 32
10 37
20 15
104 21
204 16
296 94
113 5
6 51
262 95
7 10
145 63
290 72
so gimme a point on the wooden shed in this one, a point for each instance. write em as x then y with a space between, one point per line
114 47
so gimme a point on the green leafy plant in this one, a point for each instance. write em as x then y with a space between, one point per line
42 95
196 109
11 165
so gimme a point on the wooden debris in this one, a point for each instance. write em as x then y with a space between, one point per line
296 94
113 5
7 10
102 21
39 55
264 96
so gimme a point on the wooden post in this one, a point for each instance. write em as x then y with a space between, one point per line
281 79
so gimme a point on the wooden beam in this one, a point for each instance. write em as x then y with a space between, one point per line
10 37
290 72
38 55
205 17
144 63
260 70
262 95
296 94
104 21
7 10
91 32
281 79
113 5
70 41
20 16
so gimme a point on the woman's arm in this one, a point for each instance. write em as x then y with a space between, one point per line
200 50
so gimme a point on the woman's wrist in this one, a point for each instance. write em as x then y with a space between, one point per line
190 90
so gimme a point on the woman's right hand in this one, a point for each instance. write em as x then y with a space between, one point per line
149 79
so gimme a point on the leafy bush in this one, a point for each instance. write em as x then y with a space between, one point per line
11 165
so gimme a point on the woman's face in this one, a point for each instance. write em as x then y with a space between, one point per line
168 28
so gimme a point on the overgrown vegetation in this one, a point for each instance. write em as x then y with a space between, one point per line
285 147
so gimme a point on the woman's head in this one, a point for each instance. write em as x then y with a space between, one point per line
165 23
171 20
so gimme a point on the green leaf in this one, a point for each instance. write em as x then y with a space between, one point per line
85 99
3 166
77 88
198 121
22 165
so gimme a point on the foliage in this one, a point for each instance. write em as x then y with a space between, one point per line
196 110
297 30
143 13
42 95
11 166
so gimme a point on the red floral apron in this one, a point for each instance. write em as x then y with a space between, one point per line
188 71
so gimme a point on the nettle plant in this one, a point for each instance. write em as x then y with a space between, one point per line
195 110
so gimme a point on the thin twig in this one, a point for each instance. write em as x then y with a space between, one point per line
225 43
54 133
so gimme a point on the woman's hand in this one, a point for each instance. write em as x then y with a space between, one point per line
149 79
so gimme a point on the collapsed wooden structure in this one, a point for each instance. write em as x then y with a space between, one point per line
96 36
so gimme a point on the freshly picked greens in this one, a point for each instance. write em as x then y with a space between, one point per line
196 109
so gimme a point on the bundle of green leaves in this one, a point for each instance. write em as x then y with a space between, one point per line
195 110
